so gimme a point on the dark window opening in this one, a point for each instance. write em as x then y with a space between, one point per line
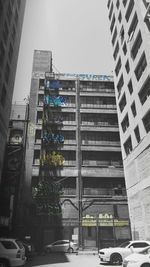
133 108
130 87
146 121
137 134
128 146
145 91
140 67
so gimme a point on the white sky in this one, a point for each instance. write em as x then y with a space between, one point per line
77 33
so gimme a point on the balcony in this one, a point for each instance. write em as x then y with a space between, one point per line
104 192
100 143
102 163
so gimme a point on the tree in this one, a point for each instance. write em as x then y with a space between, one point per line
47 196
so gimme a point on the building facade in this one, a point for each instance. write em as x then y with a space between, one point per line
11 204
11 19
74 145
130 32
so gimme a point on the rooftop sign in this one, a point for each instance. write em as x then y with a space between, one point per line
85 77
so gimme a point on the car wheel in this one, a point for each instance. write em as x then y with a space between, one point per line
4 263
70 250
146 264
116 258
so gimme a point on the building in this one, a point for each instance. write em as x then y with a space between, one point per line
11 19
11 202
130 33
74 147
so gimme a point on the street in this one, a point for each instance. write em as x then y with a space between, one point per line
64 260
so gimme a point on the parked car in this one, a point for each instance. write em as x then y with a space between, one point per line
116 255
12 252
141 259
61 246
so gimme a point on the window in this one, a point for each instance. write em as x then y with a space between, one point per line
146 121
108 3
124 48
122 34
1 8
120 17
111 10
7 72
16 17
140 67
2 54
19 3
112 23
9 13
9 244
125 123
133 27
129 10
145 91
137 134
117 4
140 245
136 46
13 33
120 84
128 146
133 108
130 87
3 96
10 53
122 103
118 66
124 2
116 51
5 32
127 66
114 36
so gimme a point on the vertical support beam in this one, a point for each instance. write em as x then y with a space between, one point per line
78 164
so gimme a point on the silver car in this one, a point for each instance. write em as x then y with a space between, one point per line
12 252
61 246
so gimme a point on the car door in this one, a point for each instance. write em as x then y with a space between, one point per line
59 246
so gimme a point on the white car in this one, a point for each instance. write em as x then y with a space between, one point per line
61 246
12 252
115 255
141 259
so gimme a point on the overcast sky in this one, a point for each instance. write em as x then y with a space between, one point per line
77 33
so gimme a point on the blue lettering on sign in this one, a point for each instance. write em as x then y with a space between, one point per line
55 138
56 101
90 77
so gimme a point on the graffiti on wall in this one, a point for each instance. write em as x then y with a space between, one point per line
56 101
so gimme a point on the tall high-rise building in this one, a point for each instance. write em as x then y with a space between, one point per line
11 19
130 33
74 153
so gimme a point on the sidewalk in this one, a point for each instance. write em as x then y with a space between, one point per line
87 251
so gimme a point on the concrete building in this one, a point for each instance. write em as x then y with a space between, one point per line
130 33
11 19
73 141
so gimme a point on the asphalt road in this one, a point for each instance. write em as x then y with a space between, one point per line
65 260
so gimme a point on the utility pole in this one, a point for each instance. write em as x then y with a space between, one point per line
78 162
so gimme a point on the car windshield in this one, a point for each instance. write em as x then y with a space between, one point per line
125 244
